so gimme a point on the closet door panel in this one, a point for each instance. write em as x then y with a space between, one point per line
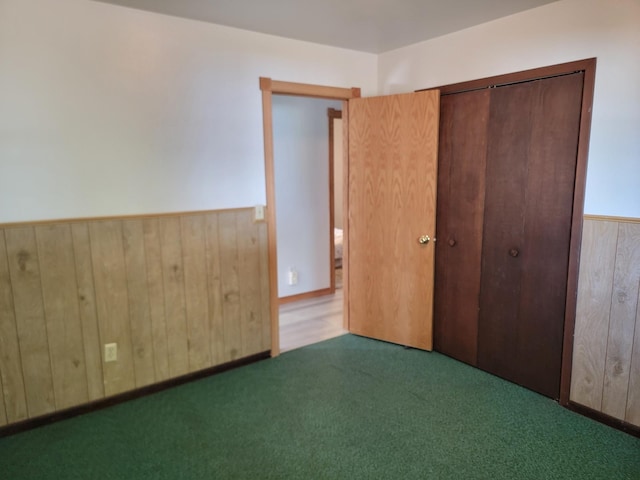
549 203
461 187
508 149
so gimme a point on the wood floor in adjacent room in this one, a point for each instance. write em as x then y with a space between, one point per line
310 321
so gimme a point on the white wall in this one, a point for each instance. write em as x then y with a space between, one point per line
301 163
559 32
106 110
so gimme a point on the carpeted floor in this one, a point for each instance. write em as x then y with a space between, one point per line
346 408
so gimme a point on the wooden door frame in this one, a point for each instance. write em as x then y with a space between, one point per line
269 88
588 66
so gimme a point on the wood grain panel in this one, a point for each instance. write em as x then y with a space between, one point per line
508 146
230 285
632 414
196 291
174 301
112 303
622 323
461 189
30 320
248 265
155 288
88 310
548 214
393 149
13 392
64 327
139 309
214 290
599 243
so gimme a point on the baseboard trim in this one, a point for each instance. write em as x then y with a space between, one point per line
47 419
604 418
306 296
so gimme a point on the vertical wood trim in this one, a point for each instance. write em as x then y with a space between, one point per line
3 412
24 270
624 306
196 291
112 298
345 214
88 312
267 124
63 325
265 294
139 309
13 388
593 312
174 301
588 86
332 115
214 291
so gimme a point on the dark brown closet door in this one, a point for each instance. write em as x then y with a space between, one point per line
531 151
461 186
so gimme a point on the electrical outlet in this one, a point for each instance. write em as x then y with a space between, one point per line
293 276
258 214
111 352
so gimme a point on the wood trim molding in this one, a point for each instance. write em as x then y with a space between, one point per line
307 90
607 218
117 217
604 418
270 87
305 296
522 76
588 66
345 214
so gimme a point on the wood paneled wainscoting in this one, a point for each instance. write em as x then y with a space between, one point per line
606 354
177 293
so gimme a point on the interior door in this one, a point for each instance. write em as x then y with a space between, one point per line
393 153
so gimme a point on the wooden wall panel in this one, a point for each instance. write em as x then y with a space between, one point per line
64 328
174 302
110 279
88 312
230 285
214 290
624 306
606 359
595 284
138 295
155 285
24 268
196 291
177 293
13 393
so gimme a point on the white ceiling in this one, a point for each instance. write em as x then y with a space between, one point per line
374 26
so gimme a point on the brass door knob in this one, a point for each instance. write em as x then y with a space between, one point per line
424 239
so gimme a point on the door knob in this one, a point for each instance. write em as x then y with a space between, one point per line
424 239
452 243
514 252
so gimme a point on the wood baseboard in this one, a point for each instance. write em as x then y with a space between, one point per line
32 423
306 295
604 418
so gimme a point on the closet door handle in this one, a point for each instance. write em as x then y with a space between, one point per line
514 252
424 239
452 243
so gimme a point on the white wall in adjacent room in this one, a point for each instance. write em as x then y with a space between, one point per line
556 33
301 164
107 110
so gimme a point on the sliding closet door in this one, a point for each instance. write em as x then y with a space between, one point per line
461 187
530 175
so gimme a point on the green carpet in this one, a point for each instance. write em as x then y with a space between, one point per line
347 408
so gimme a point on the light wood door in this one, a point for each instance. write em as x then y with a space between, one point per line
393 152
